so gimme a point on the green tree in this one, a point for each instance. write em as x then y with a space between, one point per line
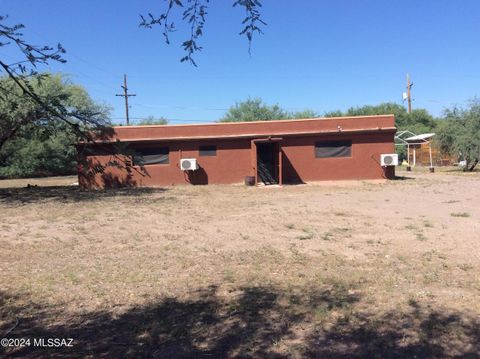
254 110
336 113
418 121
459 133
305 114
33 142
151 120
27 106
32 156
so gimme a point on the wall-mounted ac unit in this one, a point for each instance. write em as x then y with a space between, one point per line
389 159
188 164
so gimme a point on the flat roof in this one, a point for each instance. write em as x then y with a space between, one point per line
255 122
422 137
253 129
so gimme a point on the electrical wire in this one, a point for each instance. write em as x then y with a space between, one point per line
180 107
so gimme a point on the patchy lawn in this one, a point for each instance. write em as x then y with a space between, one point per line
351 269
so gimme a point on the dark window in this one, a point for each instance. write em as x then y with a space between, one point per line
330 149
151 156
207 150
98 150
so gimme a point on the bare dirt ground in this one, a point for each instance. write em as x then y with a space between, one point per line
341 270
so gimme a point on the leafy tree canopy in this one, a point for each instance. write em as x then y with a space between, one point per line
33 141
151 120
255 109
419 121
307 113
26 103
459 133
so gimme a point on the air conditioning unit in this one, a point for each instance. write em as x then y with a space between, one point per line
389 159
188 164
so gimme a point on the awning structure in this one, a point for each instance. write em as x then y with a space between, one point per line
408 138
424 137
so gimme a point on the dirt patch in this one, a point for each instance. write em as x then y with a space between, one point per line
358 269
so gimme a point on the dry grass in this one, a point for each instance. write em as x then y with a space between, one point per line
357 269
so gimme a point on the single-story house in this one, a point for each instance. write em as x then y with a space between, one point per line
286 151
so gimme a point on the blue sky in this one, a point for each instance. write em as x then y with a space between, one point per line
322 55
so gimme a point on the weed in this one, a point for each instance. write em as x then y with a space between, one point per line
73 277
244 236
460 214
441 256
297 255
420 236
171 236
307 234
304 237
328 236
229 275
465 267
80 229
430 277
427 224
428 256
321 312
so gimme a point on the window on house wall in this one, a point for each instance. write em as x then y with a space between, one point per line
330 149
207 150
98 149
151 156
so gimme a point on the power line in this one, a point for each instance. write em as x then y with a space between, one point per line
181 107
126 95
92 64
409 93
69 52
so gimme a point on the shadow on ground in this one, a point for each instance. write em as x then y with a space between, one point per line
260 322
402 178
32 194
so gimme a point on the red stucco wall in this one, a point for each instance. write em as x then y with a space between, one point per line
299 158
234 161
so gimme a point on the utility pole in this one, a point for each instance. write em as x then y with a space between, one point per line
409 93
126 95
